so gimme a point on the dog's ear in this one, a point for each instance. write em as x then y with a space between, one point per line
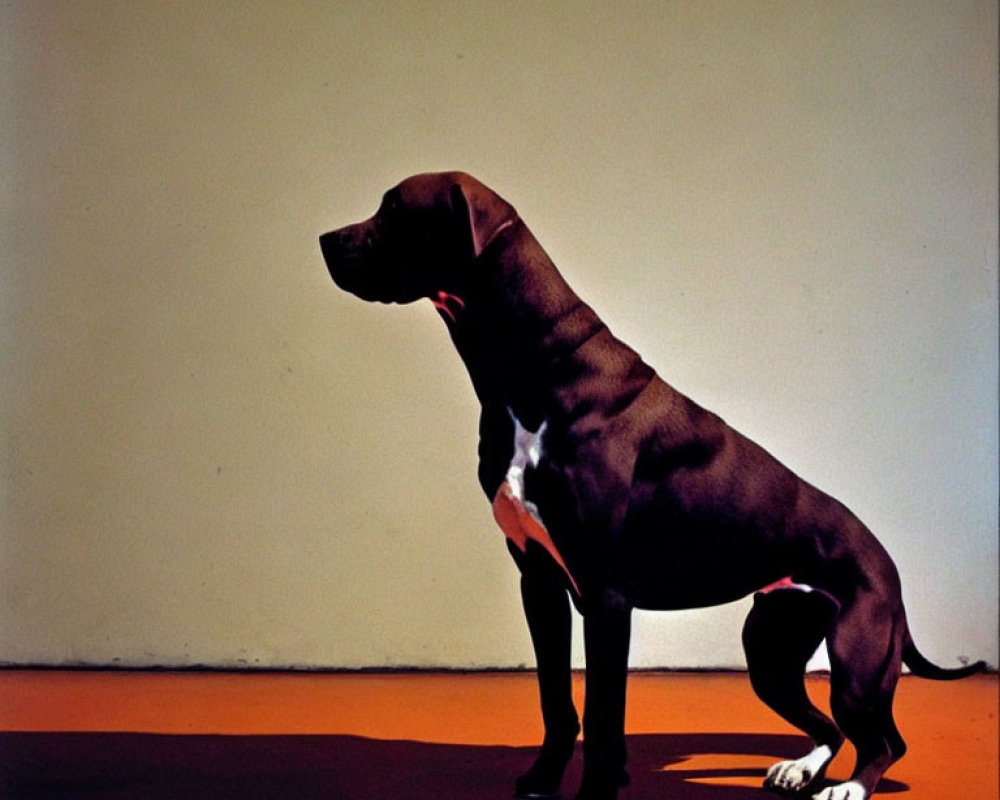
487 213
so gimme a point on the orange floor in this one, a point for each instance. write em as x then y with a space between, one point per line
691 736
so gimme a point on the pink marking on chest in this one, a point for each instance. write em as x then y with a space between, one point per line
519 525
441 300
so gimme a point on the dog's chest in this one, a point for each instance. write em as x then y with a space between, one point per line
517 516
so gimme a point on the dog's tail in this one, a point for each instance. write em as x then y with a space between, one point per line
921 667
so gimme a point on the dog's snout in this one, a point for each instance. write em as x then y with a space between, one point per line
347 242
350 255
329 245
338 253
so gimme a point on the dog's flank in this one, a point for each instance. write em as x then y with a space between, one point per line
630 495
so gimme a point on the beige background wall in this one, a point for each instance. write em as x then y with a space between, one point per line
211 456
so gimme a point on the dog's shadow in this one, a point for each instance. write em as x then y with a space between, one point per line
108 766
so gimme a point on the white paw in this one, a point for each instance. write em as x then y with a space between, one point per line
852 790
793 776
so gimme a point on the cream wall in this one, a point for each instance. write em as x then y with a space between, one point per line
211 456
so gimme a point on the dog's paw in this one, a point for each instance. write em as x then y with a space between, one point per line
852 790
544 777
538 785
794 776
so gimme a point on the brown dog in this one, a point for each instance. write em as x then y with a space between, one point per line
618 492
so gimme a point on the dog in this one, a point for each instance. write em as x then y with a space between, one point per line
617 492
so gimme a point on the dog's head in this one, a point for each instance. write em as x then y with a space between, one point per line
421 241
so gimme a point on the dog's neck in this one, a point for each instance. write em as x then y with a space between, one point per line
522 331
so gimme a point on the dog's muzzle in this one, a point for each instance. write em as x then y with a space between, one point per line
348 255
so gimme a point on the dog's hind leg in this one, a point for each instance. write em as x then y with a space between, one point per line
866 644
781 633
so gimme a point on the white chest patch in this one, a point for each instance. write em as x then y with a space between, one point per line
527 453
517 516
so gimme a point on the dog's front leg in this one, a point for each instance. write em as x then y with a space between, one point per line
606 630
546 607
